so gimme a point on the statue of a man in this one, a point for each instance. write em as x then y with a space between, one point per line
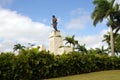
54 22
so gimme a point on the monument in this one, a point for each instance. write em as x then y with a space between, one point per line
56 41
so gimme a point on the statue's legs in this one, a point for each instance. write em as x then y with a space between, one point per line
55 27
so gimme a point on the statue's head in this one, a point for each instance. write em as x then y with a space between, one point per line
53 16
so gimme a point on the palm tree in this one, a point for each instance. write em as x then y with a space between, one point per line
105 9
18 47
101 50
116 17
71 40
107 38
117 44
81 48
116 41
31 45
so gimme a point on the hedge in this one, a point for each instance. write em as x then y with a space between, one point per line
35 65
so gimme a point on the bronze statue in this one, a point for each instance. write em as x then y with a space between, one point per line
54 22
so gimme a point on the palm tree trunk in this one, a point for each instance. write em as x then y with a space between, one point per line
112 41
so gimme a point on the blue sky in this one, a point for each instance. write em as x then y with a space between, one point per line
29 21
66 10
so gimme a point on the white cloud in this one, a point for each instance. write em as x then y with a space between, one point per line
79 11
79 20
6 45
78 23
117 1
18 28
93 41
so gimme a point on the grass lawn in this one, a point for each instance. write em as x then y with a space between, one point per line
102 75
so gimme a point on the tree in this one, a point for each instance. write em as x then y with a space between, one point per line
101 50
71 40
18 47
116 41
31 45
105 9
107 40
81 48
117 44
116 17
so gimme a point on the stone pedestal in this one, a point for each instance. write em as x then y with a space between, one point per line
55 41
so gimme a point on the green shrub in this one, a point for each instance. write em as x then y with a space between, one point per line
32 64
7 66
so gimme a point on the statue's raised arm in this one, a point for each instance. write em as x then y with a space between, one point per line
54 22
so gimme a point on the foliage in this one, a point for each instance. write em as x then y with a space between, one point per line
71 40
18 47
76 45
107 38
32 64
7 66
105 9
81 48
116 42
101 50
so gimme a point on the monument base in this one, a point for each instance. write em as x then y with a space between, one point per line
56 42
